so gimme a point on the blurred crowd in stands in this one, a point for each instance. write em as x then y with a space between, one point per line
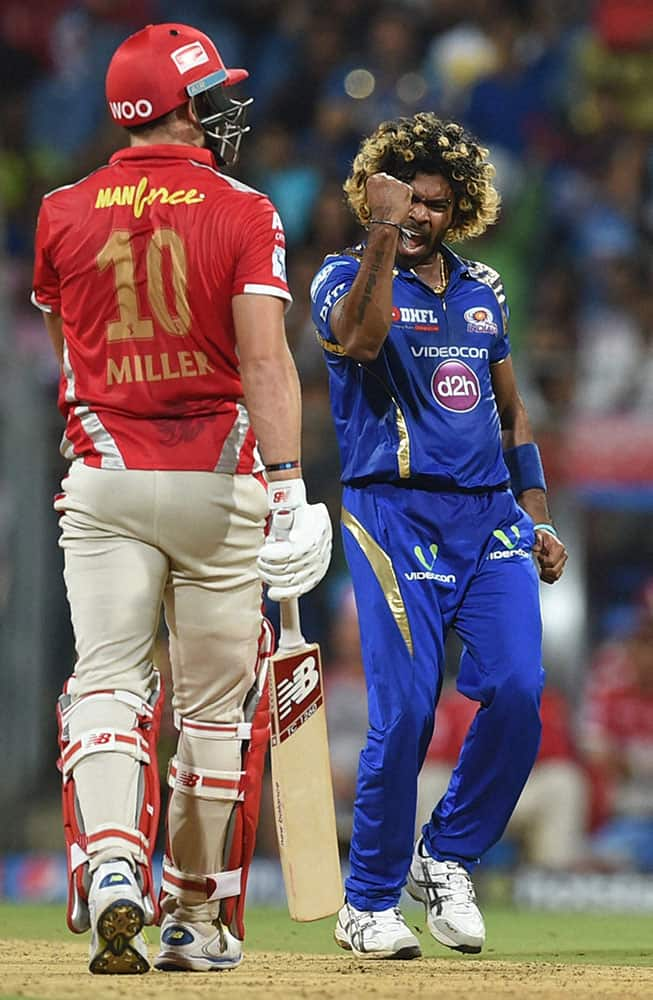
560 91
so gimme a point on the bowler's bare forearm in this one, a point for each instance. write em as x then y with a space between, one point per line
361 320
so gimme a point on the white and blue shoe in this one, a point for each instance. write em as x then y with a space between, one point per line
115 905
200 947
447 892
375 933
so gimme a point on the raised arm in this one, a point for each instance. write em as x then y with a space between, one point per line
361 320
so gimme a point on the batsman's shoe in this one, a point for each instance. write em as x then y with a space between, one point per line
205 947
115 904
448 895
375 933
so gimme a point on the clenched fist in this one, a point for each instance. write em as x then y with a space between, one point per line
550 555
388 198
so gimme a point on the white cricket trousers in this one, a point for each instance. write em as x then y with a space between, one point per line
135 541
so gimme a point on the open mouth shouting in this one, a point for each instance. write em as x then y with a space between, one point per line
413 241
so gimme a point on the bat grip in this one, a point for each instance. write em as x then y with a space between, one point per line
291 629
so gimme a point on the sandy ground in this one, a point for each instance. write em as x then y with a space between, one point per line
57 971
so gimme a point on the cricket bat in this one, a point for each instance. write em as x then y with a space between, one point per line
302 788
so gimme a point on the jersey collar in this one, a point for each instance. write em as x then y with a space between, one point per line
455 264
165 151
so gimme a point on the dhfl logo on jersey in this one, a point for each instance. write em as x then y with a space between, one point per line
455 386
480 320
419 319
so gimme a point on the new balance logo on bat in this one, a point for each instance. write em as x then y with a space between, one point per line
293 691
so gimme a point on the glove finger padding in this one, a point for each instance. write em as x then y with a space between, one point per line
298 560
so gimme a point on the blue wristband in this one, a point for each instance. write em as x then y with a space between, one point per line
282 466
525 468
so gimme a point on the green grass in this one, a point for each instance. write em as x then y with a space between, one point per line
513 935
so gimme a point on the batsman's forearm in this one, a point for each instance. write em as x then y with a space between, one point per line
365 318
273 400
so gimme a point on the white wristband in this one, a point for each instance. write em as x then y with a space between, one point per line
286 494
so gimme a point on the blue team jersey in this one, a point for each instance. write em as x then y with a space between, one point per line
424 409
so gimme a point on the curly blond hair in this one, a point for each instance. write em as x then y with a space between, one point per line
425 143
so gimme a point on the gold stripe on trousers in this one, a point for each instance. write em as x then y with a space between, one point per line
384 571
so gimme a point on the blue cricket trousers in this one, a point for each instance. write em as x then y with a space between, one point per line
421 563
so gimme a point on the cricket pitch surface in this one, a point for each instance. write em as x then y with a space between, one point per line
57 970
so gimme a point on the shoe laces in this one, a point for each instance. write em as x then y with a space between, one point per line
391 916
450 881
371 918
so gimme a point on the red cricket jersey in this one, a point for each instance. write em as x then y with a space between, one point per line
617 711
455 714
142 259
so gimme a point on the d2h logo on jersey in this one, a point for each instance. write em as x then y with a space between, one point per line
455 386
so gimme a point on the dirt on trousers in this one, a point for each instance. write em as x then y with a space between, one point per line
46 969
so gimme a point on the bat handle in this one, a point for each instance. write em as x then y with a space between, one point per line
291 629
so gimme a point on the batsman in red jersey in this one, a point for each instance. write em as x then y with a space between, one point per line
163 287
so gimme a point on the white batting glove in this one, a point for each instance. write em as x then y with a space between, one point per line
297 550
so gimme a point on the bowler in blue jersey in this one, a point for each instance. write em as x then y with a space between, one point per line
445 524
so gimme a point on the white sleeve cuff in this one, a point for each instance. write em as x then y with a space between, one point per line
39 305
